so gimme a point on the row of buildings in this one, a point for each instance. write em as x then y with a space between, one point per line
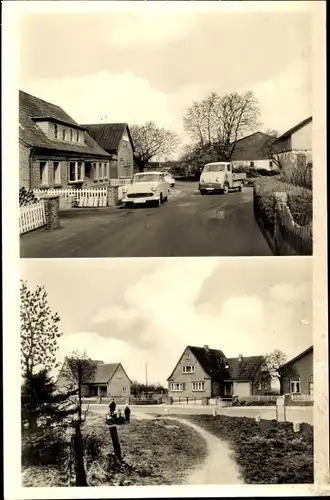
57 152
202 372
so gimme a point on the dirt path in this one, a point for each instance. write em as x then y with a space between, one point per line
219 467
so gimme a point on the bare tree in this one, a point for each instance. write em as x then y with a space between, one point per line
39 330
150 140
219 121
270 149
274 360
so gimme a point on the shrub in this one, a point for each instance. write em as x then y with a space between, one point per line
26 197
93 443
45 447
300 200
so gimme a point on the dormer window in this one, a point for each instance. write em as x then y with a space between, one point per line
55 131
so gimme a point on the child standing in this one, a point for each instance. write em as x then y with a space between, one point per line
127 412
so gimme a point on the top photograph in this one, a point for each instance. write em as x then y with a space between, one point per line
154 133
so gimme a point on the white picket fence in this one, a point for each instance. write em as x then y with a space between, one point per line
121 181
31 217
302 397
87 197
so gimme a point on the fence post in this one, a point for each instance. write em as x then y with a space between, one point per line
279 205
52 205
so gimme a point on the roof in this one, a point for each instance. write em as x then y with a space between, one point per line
214 362
104 373
252 147
32 108
295 128
299 356
244 369
108 135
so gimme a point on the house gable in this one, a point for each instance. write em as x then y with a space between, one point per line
109 135
252 147
119 369
187 358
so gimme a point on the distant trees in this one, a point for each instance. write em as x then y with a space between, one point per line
269 149
217 122
139 389
150 140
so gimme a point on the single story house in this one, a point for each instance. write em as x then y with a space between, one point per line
297 374
296 144
253 151
109 380
54 151
204 372
115 138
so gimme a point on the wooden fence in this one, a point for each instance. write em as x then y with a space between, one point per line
31 217
283 235
302 397
87 197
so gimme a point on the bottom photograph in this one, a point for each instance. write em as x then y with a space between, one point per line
166 372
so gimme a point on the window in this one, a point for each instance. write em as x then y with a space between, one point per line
311 385
295 385
55 131
124 389
77 135
64 134
100 176
197 386
76 171
271 164
94 166
43 173
106 174
177 387
251 164
188 369
188 355
259 386
57 172
71 135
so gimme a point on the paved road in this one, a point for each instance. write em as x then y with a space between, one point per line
188 225
293 413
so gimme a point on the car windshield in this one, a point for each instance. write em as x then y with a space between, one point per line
214 168
146 178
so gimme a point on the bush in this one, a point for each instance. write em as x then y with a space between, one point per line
26 197
300 200
45 447
93 443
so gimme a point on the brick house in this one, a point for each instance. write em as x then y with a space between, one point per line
204 372
115 138
297 374
252 151
110 380
295 146
54 151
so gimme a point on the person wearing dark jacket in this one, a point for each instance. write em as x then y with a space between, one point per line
112 407
127 412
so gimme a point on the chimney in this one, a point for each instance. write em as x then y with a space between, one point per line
206 347
240 357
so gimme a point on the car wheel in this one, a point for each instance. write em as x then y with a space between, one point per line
203 192
225 188
128 205
172 185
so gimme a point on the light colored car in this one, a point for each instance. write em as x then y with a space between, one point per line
169 178
146 187
219 176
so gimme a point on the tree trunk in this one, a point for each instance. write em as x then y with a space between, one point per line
79 466
32 422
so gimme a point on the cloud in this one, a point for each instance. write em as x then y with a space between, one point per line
120 97
148 28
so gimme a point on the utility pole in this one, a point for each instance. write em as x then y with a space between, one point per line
146 380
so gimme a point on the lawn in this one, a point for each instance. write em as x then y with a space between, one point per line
268 452
155 452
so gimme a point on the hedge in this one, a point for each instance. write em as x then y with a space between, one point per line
300 200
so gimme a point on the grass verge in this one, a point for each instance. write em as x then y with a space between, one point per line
268 452
155 452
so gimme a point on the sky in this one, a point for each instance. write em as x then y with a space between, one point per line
148 310
145 65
